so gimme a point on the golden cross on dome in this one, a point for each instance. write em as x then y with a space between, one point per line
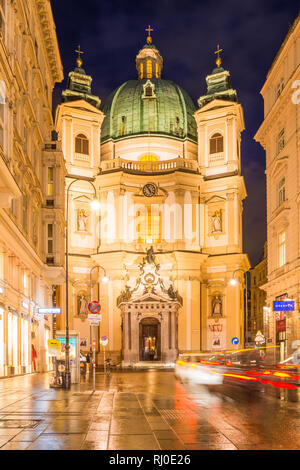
149 38
218 59
79 59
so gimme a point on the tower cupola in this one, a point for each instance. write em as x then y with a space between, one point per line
149 62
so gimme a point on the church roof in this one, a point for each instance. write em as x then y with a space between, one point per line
167 112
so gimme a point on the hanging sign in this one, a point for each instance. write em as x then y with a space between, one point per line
48 311
283 305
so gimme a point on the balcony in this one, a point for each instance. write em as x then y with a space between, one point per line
9 188
165 166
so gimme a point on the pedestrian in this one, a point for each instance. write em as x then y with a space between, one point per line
33 357
88 360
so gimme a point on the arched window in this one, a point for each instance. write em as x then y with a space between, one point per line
141 71
156 70
216 143
149 68
81 144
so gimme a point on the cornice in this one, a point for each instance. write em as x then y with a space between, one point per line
44 12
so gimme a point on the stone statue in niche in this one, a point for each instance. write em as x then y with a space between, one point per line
217 221
216 306
82 221
82 304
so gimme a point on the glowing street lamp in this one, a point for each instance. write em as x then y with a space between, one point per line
233 282
94 205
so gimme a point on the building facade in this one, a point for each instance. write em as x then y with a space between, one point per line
258 278
279 135
32 172
168 234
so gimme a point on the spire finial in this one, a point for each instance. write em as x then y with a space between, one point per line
218 59
149 38
79 59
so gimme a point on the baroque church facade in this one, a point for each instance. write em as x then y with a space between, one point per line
168 232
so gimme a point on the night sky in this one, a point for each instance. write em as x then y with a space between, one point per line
111 32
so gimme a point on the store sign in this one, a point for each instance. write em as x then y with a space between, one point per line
283 305
53 347
49 311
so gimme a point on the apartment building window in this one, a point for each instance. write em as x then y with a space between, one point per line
279 88
281 192
281 249
2 17
280 141
50 182
25 212
50 239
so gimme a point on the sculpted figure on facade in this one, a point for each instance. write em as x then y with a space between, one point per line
82 221
217 306
82 305
217 221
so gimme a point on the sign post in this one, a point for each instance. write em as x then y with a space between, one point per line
104 342
94 318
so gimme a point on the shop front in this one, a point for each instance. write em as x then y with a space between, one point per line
12 352
2 349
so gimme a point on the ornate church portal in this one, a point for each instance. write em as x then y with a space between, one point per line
149 316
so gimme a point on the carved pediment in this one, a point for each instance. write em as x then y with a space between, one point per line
149 286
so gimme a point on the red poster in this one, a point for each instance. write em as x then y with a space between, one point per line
281 325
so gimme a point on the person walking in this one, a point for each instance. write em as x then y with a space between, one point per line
33 357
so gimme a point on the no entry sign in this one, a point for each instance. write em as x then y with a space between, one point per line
94 307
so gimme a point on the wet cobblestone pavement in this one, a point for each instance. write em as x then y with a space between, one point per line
147 410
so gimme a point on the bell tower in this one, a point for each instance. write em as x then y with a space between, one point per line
78 123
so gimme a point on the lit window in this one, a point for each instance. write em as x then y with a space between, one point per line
148 157
81 144
281 249
149 225
280 192
216 143
50 181
156 70
280 141
141 71
149 68
50 239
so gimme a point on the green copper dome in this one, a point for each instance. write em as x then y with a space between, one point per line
149 106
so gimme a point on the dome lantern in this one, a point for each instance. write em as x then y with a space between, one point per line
149 62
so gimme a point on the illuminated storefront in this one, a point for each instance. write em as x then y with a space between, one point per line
2 356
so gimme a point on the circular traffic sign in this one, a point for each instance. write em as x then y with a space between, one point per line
104 338
94 306
235 340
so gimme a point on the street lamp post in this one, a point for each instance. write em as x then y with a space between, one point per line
92 329
67 354
233 283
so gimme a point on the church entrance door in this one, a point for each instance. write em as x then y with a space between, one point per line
149 340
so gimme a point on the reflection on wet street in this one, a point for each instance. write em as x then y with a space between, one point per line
144 410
